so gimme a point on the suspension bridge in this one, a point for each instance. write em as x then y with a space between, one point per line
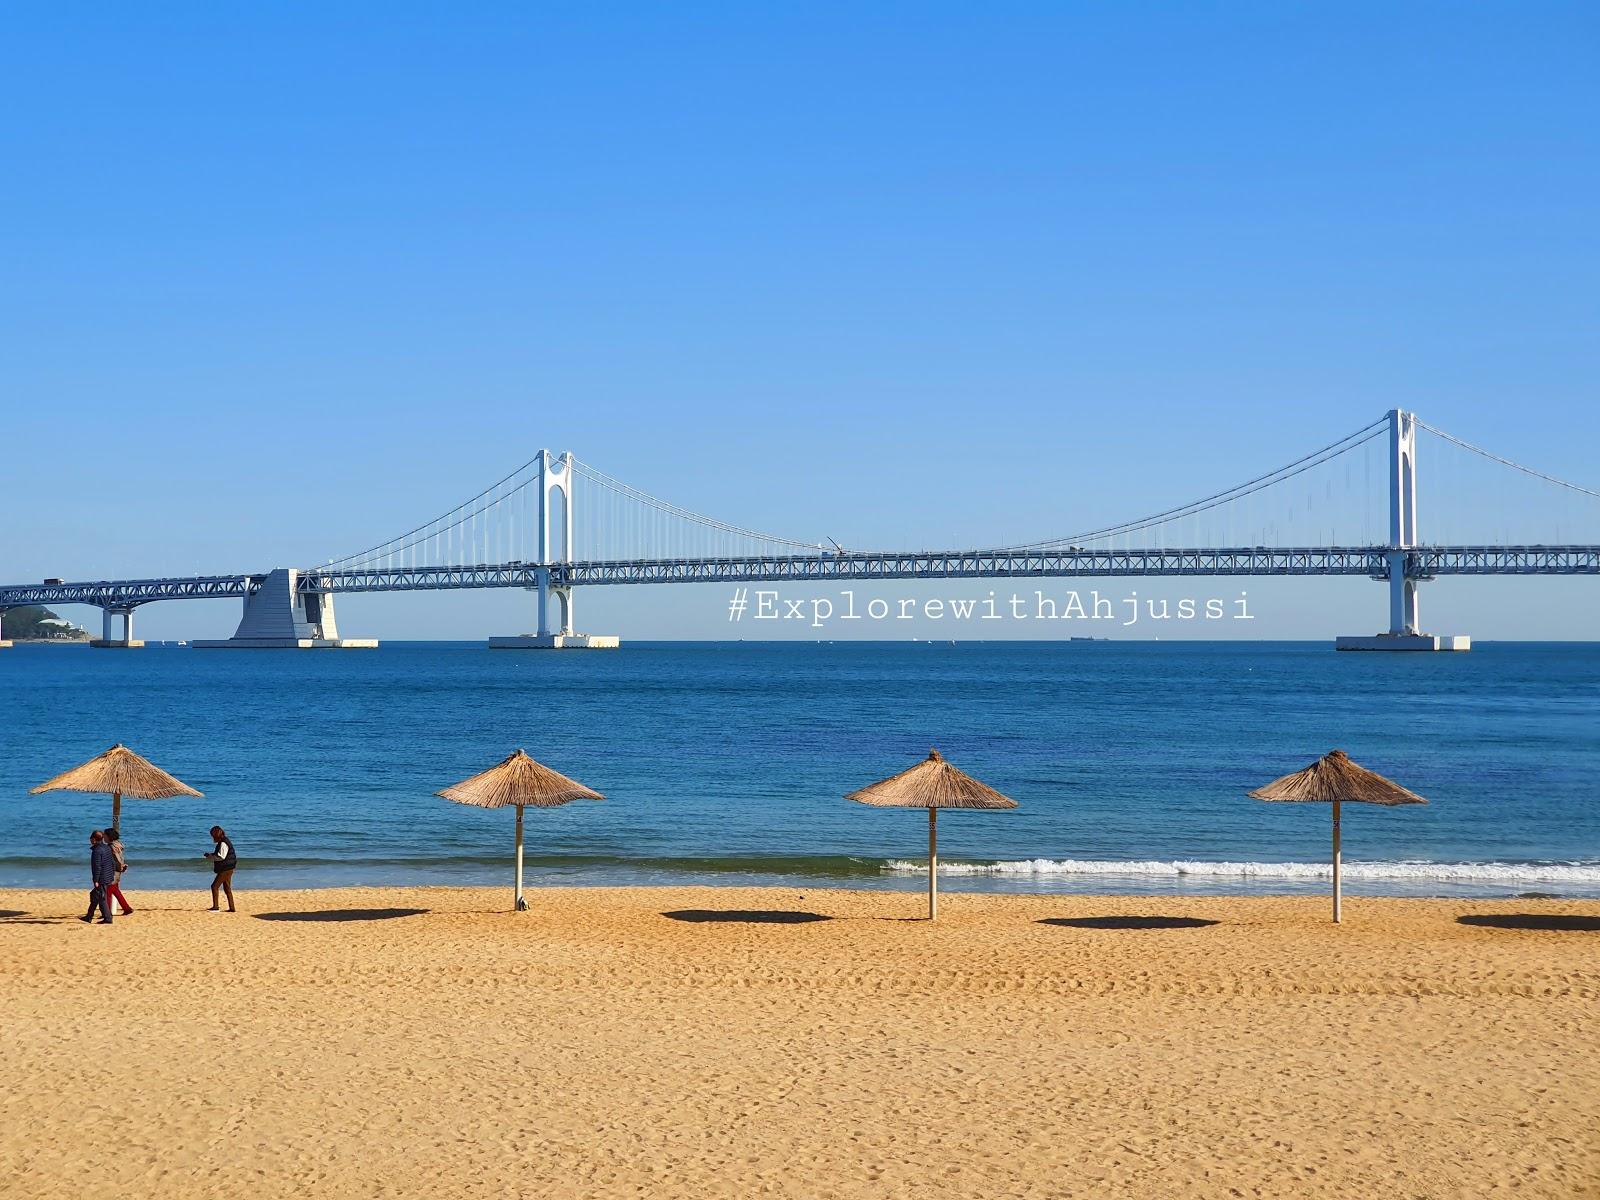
557 524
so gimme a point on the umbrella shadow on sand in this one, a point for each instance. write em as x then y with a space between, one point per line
1546 922
1130 922
746 916
343 914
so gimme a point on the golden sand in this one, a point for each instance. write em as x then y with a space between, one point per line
653 1042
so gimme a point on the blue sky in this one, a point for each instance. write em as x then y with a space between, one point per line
277 284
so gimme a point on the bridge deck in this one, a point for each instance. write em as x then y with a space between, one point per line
1369 561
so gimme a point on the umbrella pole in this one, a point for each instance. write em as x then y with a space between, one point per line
116 811
933 863
521 904
1337 894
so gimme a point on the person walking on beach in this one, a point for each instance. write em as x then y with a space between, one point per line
103 875
114 892
223 860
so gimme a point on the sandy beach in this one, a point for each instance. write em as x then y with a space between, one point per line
740 1042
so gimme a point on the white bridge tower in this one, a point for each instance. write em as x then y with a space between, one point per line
1405 629
556 477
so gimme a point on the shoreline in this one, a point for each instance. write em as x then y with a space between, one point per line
1439 881
891 886
478 898
490 900
798 1042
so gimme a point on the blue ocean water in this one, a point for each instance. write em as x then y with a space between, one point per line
727 763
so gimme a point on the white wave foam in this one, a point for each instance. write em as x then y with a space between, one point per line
1482 872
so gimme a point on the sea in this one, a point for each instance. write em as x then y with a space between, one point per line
728 763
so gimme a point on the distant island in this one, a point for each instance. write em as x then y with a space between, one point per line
35 623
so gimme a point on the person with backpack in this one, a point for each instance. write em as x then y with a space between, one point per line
114 892
224 858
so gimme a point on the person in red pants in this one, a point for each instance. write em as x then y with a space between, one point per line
114 892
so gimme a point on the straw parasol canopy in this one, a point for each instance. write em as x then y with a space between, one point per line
1335 779
932 784
520 781
120 772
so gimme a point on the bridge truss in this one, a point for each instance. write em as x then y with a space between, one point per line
1371 562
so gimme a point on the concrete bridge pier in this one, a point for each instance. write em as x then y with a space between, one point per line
4 644
107 639
558 635
278 616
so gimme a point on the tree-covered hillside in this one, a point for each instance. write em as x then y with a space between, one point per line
29 621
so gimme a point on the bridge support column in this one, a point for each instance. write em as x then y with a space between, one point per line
1405 629
1403 618
562 598
546 593
556 476
108 640
279 616
4 645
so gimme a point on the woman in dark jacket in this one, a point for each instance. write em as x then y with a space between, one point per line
223 860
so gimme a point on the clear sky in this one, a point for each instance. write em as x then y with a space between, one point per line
280 282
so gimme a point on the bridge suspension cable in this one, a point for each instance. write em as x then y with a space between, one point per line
1475 496
611 519
446 535
1216 500
667 508
1506 462
617 521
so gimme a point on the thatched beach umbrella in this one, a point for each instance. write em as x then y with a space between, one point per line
1334 779
120 772
932 784
521 781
